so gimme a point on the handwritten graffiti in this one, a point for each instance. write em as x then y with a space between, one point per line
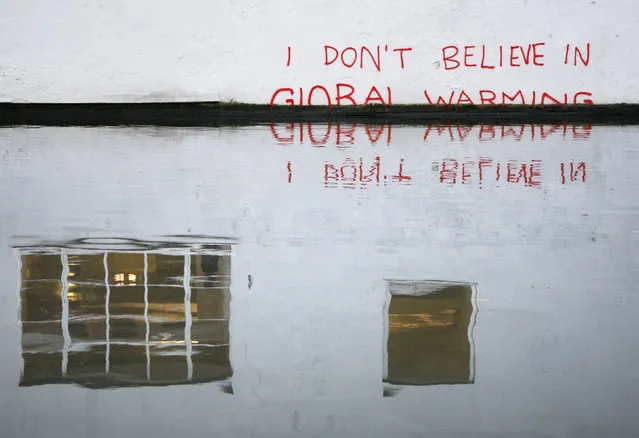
320 95
577 53
502 98
511 56
453 57
351 57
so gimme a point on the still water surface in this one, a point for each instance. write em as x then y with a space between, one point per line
319 280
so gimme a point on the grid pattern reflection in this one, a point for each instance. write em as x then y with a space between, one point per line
117 318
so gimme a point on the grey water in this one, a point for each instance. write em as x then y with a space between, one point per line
295 280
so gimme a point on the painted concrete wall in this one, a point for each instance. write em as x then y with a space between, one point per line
556 267
161 50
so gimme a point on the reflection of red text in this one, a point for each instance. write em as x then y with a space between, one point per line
340 134
573 172
344 135
452 171
448 171
517 132
351 174
527 173
400 177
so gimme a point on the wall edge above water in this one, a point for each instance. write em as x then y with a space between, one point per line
239 114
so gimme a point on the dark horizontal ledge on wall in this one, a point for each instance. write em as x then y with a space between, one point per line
221 113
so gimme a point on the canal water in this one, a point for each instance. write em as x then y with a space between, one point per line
337 280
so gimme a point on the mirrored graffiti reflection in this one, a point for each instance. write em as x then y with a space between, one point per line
114 313
429 334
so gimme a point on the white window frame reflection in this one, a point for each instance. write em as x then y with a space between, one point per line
68 281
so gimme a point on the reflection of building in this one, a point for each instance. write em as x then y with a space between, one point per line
429 328
125 316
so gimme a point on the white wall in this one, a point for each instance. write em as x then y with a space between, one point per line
162 50
556 268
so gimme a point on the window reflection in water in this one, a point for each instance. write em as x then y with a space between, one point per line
125 317
429 329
